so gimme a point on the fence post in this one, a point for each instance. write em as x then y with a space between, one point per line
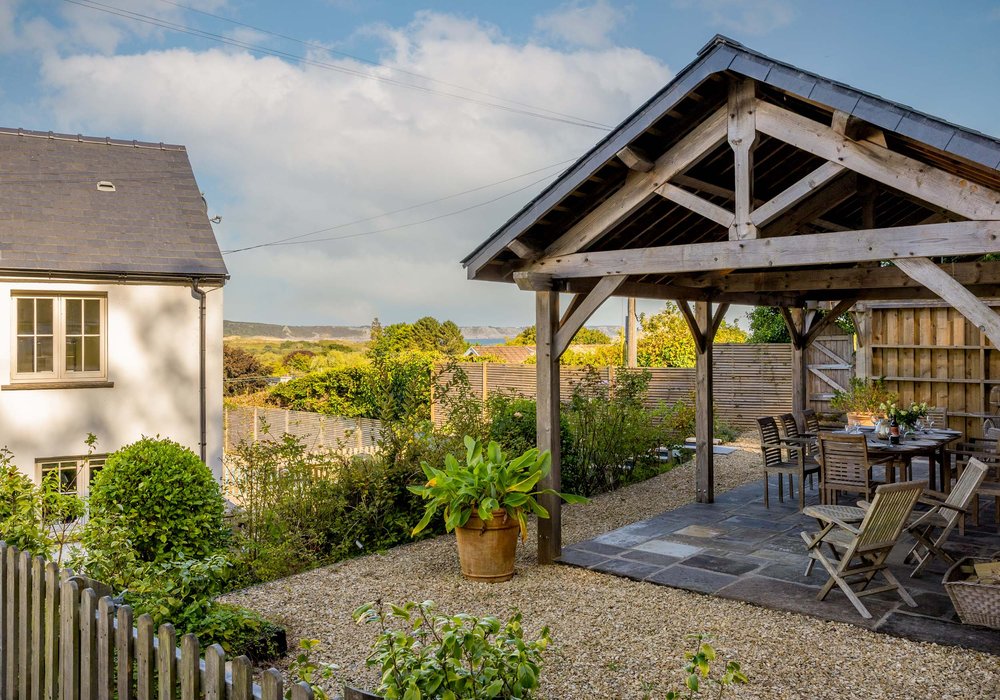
271 686
88 644
52 600
10 644
242 679
126 652
321 442
69 634
255 419
166 661
215 673
144 658
105 648
359 432
24 616
288 424
486 379
37 628
190 670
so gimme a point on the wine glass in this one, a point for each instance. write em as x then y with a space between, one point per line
930 422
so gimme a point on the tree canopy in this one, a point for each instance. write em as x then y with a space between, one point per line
585 336
767 326
426 335
666 340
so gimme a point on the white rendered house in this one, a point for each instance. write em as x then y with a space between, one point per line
111 298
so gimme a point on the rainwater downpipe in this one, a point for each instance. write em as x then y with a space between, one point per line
201 294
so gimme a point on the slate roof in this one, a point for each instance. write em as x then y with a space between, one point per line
965 152
509 354
53 217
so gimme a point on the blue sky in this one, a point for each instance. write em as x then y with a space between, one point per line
283 148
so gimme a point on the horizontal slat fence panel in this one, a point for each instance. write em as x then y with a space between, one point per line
750 381
928 351
60 641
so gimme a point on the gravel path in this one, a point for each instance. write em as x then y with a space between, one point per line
612 636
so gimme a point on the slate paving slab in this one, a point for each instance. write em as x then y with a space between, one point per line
735 548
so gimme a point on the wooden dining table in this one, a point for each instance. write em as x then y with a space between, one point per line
931 443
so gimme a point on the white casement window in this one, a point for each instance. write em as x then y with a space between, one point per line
58 337
75 474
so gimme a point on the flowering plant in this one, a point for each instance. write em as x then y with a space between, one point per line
905 416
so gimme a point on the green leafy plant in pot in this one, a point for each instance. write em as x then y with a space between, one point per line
863 400
486 502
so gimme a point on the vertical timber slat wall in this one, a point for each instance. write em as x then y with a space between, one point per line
929 352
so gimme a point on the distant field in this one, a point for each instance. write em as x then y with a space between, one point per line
257 346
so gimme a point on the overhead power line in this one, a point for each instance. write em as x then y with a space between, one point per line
173 26
377 64
296 240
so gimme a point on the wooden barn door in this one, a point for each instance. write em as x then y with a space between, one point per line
830 360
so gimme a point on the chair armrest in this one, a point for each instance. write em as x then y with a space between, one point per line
928 495
864 505
949 506
847 526
781 445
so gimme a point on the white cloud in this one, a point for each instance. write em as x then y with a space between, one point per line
580 24
282 149
749 16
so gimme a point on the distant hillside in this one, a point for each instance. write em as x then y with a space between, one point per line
246 329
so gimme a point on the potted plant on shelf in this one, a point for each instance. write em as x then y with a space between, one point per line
862 400
486 502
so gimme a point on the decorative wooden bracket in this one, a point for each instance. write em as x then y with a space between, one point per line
703 336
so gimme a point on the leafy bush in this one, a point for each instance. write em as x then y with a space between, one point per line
156 499
666 340
242 372
698 672
421 655
34 519
611 438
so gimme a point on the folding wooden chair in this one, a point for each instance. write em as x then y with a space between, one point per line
772 448
863 547
945 512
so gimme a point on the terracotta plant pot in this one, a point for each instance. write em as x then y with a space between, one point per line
486 549
861 418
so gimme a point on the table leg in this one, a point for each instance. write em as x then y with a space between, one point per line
931 470
944 462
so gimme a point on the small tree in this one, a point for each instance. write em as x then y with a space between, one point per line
584 336
242 372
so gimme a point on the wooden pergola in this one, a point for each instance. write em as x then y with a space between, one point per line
749 181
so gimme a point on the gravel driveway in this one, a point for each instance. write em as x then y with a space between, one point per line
613 637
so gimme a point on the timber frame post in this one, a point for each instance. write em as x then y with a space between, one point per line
547 420
703 325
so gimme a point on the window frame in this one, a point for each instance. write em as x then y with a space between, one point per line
59 374
83 464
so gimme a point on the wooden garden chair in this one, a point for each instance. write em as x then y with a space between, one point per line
845 466
773 449
931 529
859 543
791 429
985 451
811 421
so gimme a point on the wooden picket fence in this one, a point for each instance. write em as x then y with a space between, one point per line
63 638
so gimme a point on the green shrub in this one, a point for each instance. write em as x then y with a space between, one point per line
161 499
421 655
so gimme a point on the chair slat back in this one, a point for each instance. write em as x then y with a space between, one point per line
940 416
811 420
844 459
789 425
769 436
887 515
964 489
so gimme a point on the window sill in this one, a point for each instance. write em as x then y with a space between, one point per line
26 386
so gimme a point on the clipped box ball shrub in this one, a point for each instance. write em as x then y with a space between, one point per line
162 498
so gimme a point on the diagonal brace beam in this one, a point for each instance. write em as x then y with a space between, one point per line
604 288
945 286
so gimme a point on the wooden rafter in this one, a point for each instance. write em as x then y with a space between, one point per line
958 238
769 211
926 182
691 201
639 187
634 159
824 322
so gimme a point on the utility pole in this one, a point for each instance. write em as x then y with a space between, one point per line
631 341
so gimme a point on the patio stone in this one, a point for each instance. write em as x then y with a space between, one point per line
691 579
934 605
756 522
722 565
581 557
650 557
615 538
671 549
636 570
600 548
795 573
699 531
926 629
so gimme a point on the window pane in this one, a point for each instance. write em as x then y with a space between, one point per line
74 354
91 316
67 480
25 316
92 353
44 360
25 354
43 316
74 316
